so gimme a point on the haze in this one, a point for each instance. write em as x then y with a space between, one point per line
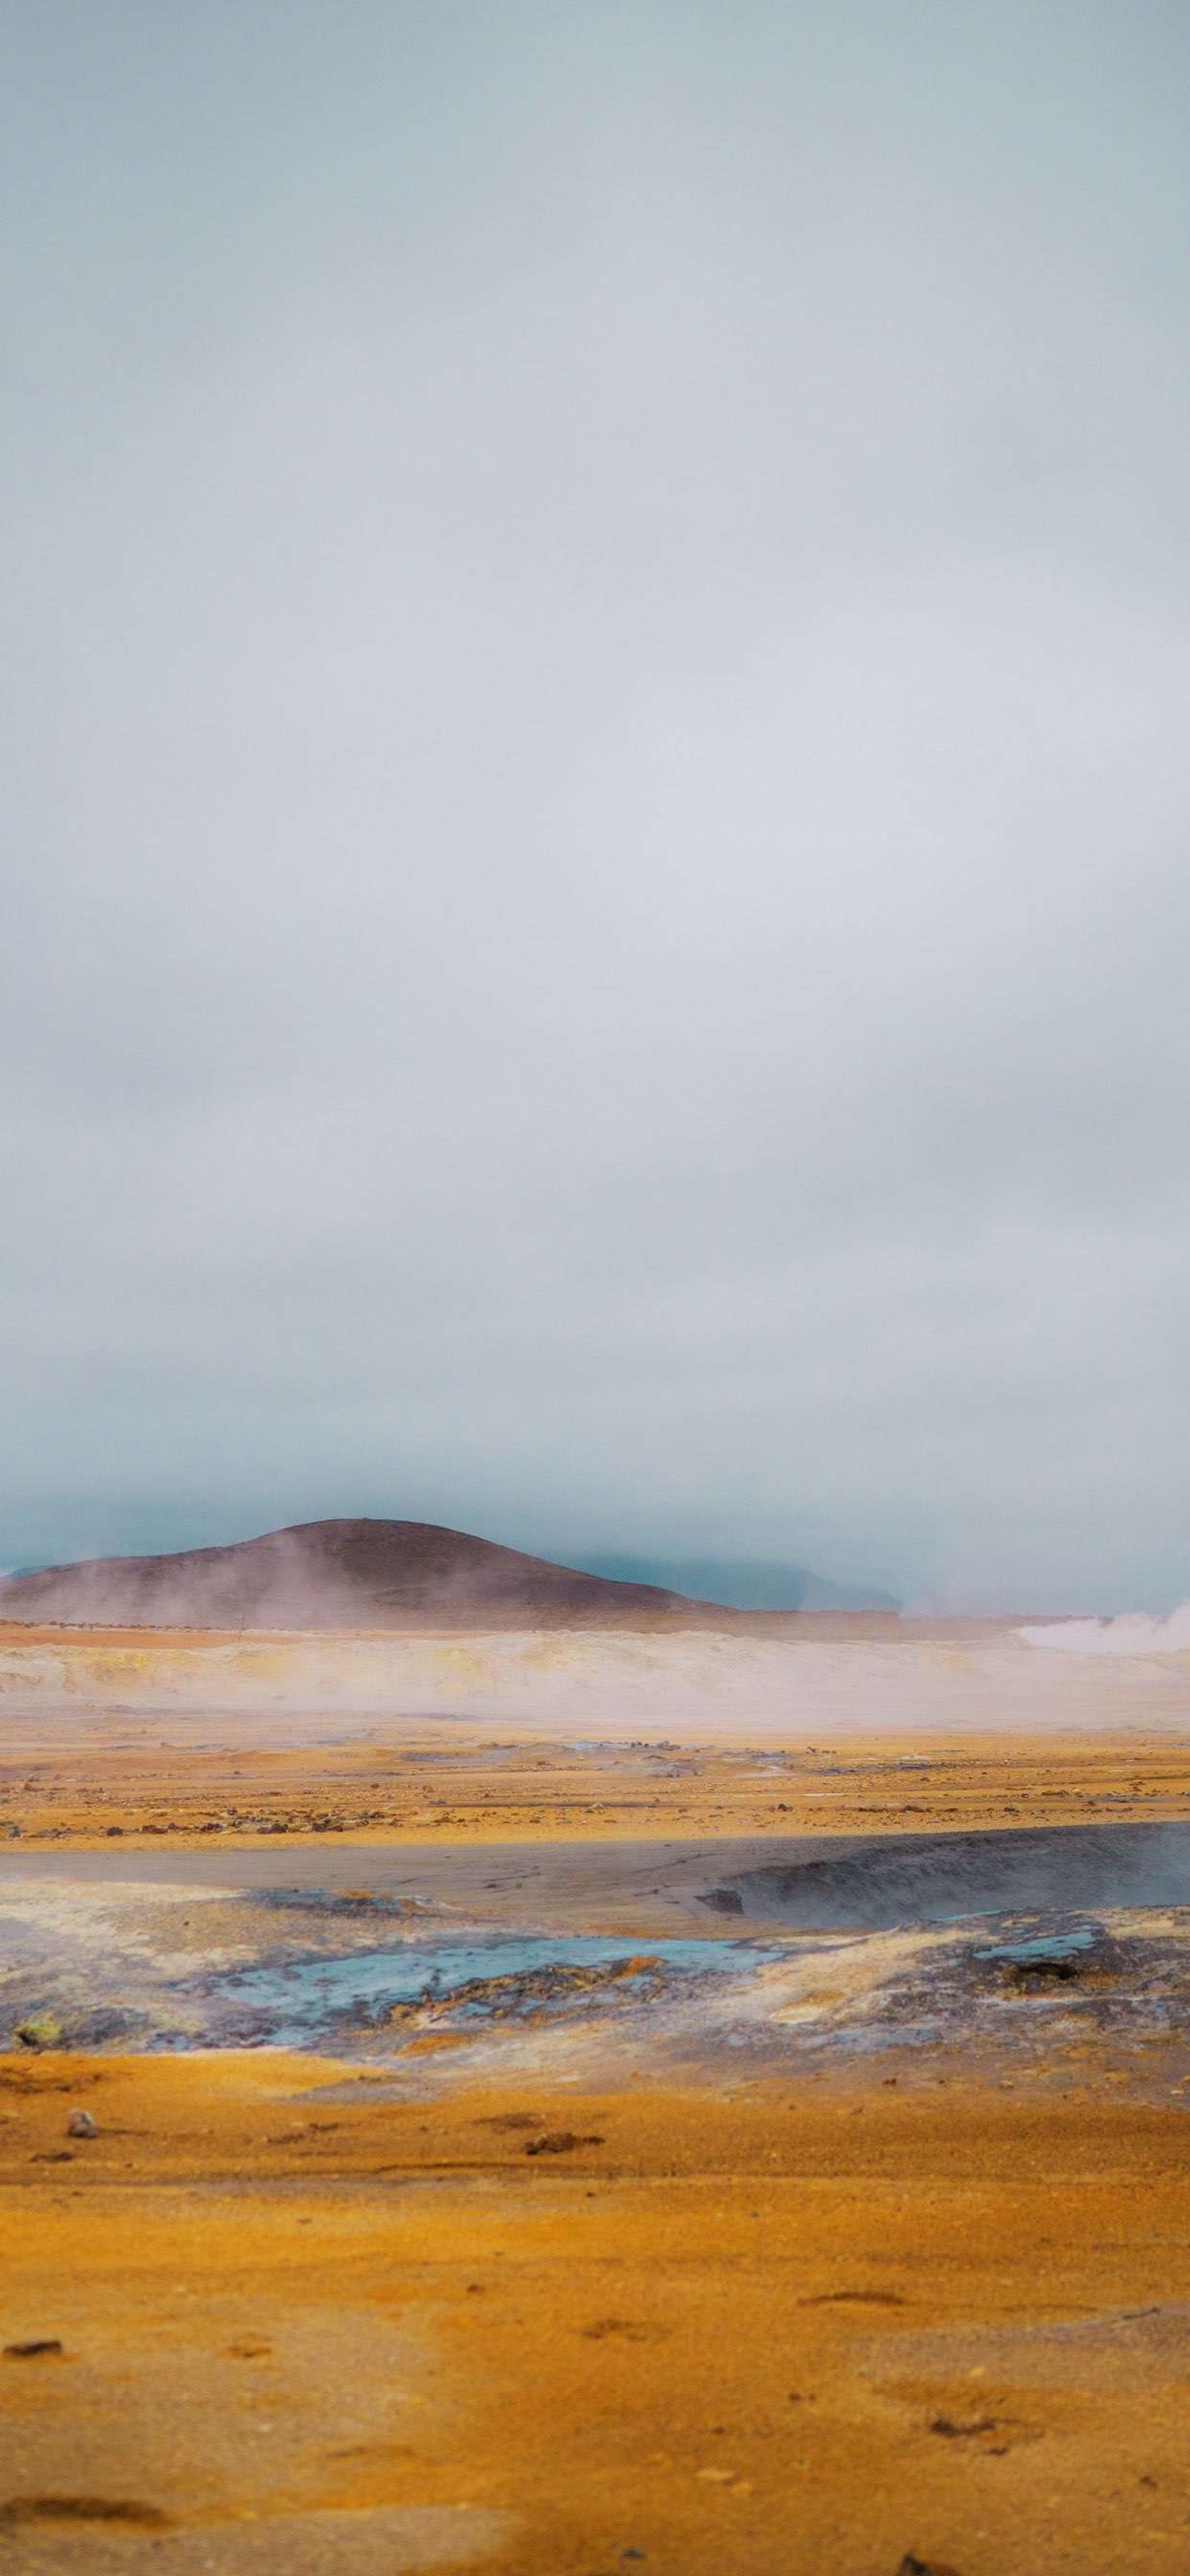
596 908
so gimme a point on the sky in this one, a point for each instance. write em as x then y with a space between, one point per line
596 874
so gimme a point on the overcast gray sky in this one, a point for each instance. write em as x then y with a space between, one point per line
597 881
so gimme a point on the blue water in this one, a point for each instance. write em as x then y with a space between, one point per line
298 1995
1055 1945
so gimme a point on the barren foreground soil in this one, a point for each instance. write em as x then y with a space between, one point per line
879 2267
288 2327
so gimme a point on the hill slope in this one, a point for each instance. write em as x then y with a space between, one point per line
339 1574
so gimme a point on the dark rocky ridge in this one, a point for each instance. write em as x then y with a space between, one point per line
878 1883
342 1574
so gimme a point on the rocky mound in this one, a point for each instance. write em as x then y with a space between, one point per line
340 1574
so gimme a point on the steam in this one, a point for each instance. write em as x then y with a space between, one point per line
598 1684
1133 1633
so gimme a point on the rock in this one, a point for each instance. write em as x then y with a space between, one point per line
911 2565
81 2125
525 1994
38 2349
560 2142
41 2030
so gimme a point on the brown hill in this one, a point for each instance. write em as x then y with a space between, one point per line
342 1574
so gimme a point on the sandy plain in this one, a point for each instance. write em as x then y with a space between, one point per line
803 1727
925 2306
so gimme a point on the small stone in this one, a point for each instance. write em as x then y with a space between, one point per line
40 2348
42 2030
81 2125
561 2142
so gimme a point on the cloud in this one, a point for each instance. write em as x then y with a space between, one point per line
598 787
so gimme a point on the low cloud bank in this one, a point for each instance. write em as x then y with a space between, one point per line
1133 1633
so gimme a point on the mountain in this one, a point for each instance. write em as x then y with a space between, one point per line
340 1574
743 1583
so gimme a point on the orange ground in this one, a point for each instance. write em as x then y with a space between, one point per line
787 2328
84 1779
775 2330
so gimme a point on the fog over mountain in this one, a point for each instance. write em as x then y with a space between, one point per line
597 783
744 1585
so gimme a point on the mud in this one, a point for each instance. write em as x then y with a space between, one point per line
1022 1993
918 1879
